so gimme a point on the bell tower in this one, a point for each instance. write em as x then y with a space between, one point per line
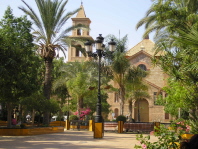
73 53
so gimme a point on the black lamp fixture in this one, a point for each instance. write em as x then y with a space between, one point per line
99 54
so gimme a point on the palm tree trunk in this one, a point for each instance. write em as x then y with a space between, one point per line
138 117
47 87
78 108
122 98
9 115
130 110
33 115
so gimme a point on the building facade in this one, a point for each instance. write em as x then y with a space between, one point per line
140 56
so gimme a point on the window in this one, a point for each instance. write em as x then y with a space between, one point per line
116 112
157 95
116 99
166 115
142 66
79 32
77 53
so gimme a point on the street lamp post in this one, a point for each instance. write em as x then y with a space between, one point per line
98 124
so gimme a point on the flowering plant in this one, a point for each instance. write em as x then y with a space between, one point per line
166 139
182 127
83 113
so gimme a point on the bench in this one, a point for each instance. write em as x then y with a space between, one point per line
139 127
3 123
110 126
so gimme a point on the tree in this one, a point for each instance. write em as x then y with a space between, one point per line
165 16
78 80
18 71
49 34
178 97
121 69
173 20
136 88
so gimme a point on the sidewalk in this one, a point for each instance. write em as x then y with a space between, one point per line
70 140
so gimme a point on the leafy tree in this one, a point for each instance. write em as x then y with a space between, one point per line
49 34
17 65
78 80
175 23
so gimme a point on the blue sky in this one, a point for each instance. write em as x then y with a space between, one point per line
107 16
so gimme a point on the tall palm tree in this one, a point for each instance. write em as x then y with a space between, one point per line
123 74
49 32
136 88
175 23
119 67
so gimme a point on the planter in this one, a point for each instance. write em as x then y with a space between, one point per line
186 136
81 127
30 131
73 127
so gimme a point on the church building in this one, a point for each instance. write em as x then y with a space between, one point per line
140 56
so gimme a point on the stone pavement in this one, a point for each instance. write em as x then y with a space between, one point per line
70 139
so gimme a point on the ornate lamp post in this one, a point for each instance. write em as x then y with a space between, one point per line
98 125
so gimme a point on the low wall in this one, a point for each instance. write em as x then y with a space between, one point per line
29 131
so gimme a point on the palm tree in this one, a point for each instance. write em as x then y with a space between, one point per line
169 15
123 74
136 88
175 23
119 67
77 80
49 32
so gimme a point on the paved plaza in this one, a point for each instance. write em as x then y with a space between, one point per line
70 140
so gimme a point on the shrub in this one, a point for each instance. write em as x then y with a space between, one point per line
23 126
73 117
121 118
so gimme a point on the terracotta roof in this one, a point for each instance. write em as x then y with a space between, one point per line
153 85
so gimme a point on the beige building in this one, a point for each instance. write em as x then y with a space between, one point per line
73 53
140 56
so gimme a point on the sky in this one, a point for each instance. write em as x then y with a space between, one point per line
107 16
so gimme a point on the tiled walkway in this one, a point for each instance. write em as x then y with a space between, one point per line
70 140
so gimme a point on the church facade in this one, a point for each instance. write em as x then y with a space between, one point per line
140 56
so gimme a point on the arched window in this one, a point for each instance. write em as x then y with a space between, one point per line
79 32
78 54
142 66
